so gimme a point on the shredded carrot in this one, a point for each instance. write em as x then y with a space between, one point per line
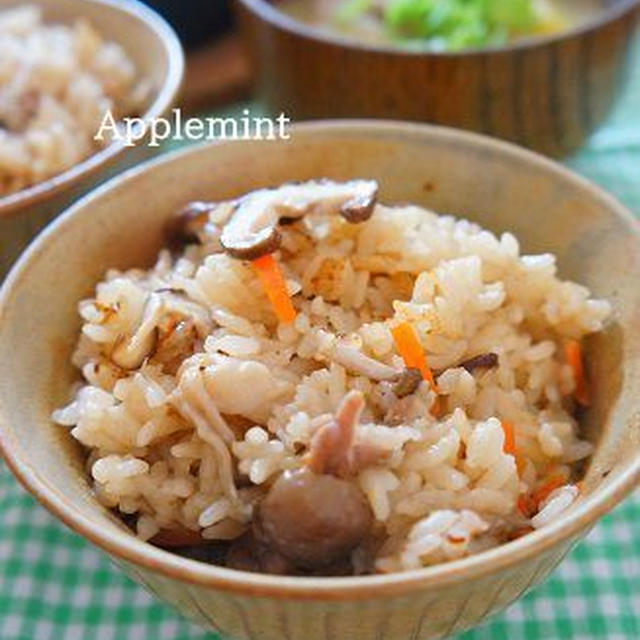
438 407
573 353
510 445
518 533
410 349
509 438
530 504
543 491
525 505
268 270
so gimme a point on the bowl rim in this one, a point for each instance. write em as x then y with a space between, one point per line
127 547
268 13
15 202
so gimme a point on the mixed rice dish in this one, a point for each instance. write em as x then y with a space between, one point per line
57 82
309 382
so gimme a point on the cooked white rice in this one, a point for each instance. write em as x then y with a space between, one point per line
193 442
56 84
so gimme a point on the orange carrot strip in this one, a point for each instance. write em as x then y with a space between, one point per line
525 506
410 349
438 407
518 533
510 445
270 275
509 438
542 492
573 353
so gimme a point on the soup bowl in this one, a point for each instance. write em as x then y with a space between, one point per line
156 52
122 223
547 93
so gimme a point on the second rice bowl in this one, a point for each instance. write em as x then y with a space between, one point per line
63 69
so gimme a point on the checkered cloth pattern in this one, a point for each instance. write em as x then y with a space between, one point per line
56 586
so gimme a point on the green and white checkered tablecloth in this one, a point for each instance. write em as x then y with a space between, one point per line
56 586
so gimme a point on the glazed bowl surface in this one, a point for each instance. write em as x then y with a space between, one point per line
157 54
121 224
547 93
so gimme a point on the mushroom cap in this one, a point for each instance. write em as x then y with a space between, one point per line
252 231
253 245
408 382
314 520
183 228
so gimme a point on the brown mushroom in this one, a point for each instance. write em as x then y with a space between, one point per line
183 228
198 221
252 231
129 353
177 536
177 339
360 207
407 383
248 553
482 361
313 520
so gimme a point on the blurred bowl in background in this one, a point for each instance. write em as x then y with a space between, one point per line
156 51
195 21
547 93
